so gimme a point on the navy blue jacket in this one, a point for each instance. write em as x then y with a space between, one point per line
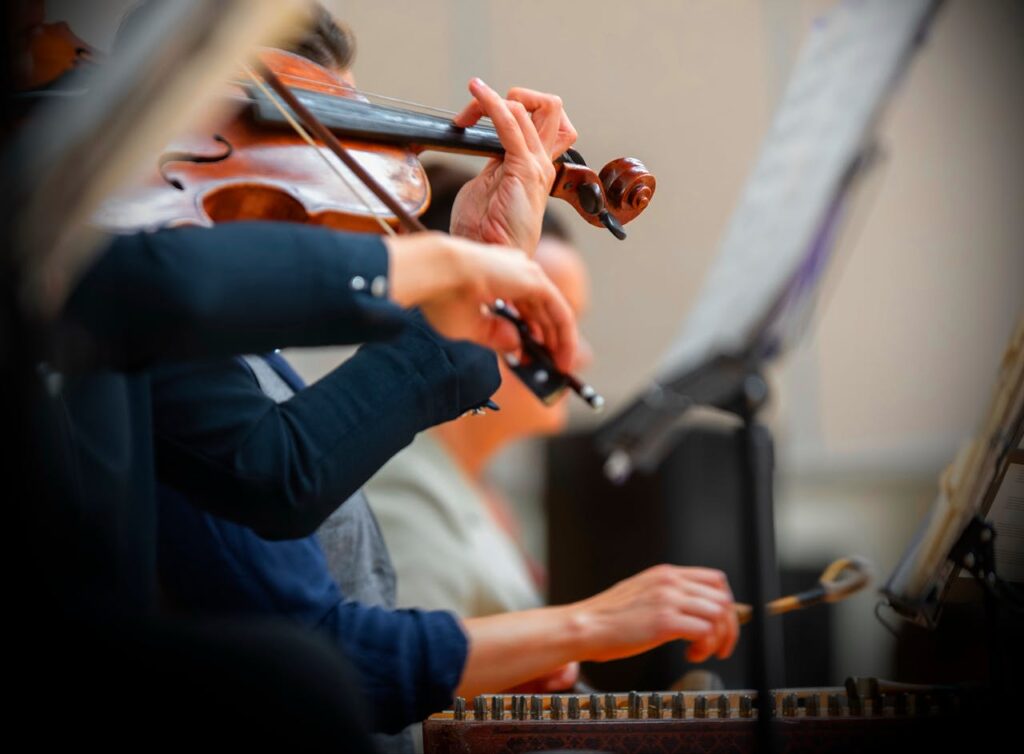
282 469
234 288
226 447
179 294
409 661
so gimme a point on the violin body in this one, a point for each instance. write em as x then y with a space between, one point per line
256 167
249 171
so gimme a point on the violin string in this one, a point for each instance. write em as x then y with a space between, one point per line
484 122
385 97
388 230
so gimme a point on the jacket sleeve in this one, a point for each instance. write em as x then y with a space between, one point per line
233 288
282 468
409 661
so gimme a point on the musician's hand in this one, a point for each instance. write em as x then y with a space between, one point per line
454 280
505 203
658 605
558 680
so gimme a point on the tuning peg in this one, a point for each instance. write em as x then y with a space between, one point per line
613 225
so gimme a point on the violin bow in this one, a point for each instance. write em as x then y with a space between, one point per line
539 373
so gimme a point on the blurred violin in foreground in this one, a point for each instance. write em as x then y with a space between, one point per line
48 51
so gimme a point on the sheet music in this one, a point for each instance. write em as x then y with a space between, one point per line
839 83
987 478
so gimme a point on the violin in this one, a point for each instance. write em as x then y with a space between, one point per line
258 167
51 51
268 163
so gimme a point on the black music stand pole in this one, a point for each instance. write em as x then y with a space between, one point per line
760 293
756 468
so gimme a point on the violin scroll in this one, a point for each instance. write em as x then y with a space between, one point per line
621 191
628 186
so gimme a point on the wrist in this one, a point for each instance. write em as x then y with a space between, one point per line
421 267
580 628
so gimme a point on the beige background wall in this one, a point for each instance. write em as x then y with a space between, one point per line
898 363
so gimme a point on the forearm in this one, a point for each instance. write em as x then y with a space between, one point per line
508 649
234 288
422 267
283 468
655 606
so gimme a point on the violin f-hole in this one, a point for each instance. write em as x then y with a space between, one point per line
168 157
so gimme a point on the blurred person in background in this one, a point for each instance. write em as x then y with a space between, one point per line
455 541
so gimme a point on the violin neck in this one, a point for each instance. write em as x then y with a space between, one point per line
362 120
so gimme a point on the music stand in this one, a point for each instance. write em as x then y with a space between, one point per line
760 292
976 520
